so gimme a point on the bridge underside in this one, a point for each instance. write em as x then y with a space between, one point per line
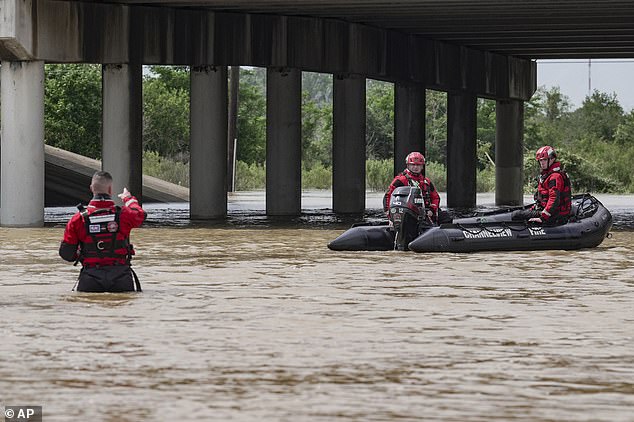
468 49
530 29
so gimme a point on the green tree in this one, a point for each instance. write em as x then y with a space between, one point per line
486 123
318 86
251 119
547 119
166 112
72 108
436 126
598 117
556 105
625 131
379 120
316 132
174 77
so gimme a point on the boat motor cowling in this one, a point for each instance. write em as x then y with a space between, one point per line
406 213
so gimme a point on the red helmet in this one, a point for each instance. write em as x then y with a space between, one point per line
415 158
545 152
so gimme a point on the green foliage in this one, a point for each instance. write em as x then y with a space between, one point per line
174 77
437 173
436 126
316 132
485 179
317 177
624 135
486 118
486 127
599 116
72 108
165 169
251 118
250 176
378 174
547 119
166 112
595 141
318 86
379 132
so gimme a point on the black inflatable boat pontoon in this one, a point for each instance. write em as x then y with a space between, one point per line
589 224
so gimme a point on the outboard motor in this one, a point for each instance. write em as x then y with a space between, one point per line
407 214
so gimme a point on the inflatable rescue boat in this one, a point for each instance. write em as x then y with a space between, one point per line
588 225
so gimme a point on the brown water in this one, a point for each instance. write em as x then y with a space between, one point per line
268 324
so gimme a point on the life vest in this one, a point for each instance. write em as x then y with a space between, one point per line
103 238
423 185
561 205
430 196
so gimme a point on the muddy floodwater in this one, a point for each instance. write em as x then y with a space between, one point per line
256 320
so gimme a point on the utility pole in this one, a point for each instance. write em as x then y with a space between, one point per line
589 77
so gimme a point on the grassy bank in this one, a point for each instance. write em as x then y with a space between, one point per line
253 176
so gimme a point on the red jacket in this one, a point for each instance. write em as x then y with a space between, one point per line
553 192
98 235
430 195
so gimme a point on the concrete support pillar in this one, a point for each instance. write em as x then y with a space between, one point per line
461 150
208 147
348 145
509 156
283 141
122 131
409 122
22 149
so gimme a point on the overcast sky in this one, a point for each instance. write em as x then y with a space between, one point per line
575 78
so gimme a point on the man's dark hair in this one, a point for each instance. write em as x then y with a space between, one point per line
101 181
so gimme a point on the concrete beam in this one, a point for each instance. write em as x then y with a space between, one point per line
22 157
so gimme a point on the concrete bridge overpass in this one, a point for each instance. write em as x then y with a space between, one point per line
468 49
68 175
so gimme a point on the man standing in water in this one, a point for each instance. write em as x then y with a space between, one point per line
98 237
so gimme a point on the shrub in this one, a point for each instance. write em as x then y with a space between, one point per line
318 177
250 176
485 179
165 169
378 174
437 173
